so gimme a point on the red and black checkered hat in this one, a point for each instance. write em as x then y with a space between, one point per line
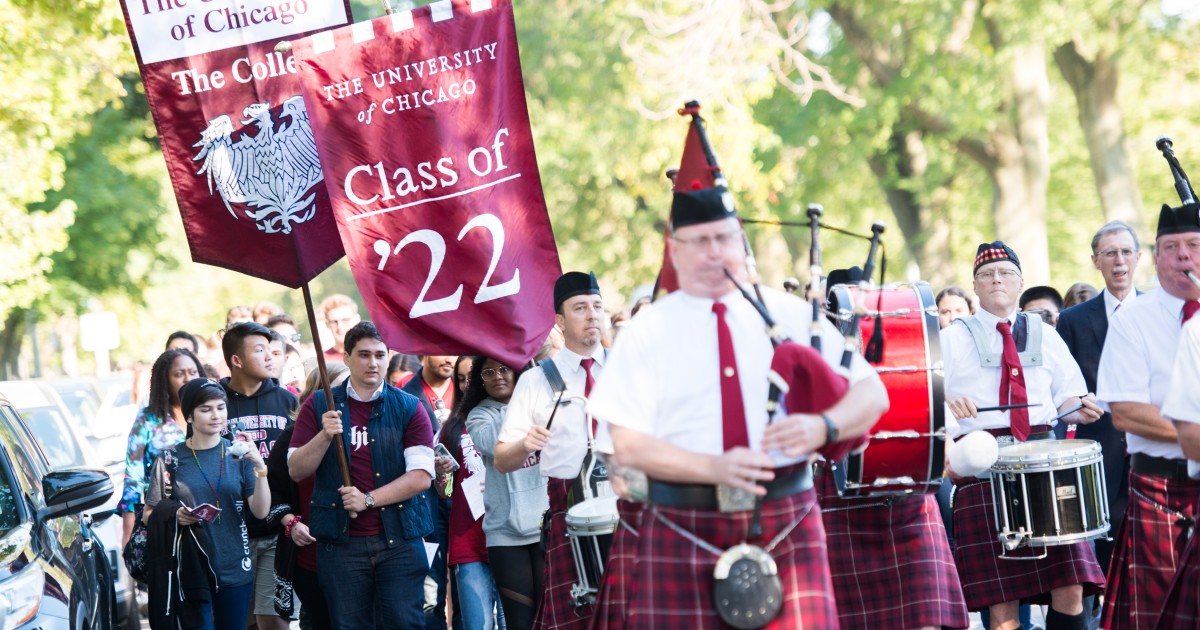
993 252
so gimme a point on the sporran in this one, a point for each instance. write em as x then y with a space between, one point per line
747 590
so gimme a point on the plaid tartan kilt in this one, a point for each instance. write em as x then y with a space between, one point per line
891 562
1148 549
674 587
988 579
620 573
1182 608
557 610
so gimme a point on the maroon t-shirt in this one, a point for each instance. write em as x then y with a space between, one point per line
467 540
419 432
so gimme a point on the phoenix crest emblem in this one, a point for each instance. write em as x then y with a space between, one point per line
271 174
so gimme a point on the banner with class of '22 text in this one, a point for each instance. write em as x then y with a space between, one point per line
424 137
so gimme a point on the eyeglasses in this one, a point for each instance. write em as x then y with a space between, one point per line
1111 254
491 373
1003 274
294 337
705 242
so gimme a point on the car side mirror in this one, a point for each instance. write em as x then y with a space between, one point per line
74 490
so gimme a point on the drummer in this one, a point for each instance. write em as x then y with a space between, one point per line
563 382
685 396
986 367
1135 371
871 540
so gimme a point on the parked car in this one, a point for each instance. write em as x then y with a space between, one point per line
54 573
62 443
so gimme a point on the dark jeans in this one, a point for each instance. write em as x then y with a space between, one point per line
436 582
314 611
367 585
229 608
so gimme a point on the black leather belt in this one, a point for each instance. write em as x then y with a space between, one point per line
1173 469
787 481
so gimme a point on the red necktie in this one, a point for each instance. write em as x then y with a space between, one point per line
1189 308
1012 384
586 364
733 413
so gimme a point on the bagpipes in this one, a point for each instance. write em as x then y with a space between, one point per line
1183 186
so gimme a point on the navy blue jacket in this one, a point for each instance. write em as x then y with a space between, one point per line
402 522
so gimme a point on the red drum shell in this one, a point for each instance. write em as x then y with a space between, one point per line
911 372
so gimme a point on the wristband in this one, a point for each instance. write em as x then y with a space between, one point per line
831 430
287 529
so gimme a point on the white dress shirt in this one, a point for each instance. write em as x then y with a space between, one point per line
1139 353
663 374
1183 396
533 401
1111 302
1051 384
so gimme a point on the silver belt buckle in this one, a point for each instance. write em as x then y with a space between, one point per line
734 500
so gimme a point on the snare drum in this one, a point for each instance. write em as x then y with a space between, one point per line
906 451
590 526
1049 493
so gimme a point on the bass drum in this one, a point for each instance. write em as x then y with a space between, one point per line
906 450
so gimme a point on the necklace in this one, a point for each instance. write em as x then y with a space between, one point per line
220 473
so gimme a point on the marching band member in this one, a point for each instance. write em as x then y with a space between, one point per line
559 383
685 399
1182 608
1135 371
985 366
872 540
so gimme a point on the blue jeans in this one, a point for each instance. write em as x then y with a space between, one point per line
478 597
368 585
229 608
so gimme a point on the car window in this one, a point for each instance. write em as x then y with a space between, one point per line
50 430
10 517
27 463
82 404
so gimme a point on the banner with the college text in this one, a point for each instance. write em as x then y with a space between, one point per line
424 137
234 132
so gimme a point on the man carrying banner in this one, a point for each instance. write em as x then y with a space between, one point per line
544 416
685 397
372 568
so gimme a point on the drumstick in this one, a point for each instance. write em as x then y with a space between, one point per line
550 422
1067 412
1007 407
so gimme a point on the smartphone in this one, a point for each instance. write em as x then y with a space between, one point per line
440 450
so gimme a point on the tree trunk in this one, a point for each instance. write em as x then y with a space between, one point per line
1022 173
926 238
1094 84
10 344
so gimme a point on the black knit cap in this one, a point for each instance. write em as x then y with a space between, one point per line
693 207
1185 218
189 394
574 283
994 252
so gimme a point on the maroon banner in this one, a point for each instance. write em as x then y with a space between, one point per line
424 137
234 132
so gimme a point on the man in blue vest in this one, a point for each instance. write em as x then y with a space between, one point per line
371 567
